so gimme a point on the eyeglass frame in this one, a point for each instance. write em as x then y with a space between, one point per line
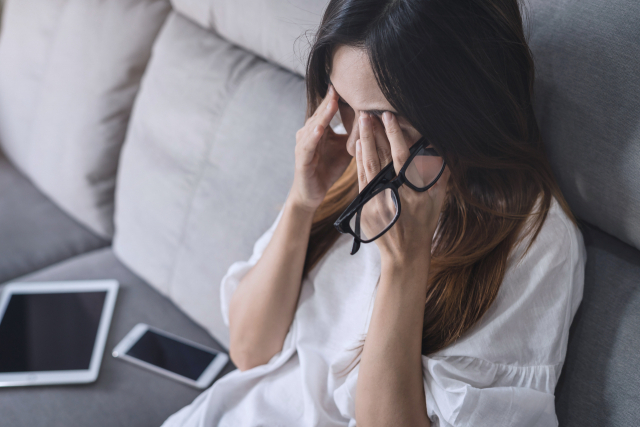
382 181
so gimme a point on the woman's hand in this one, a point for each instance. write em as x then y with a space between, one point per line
410 238
321 155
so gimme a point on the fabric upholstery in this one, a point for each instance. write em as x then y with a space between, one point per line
69 72
207 163
587 57
34 232
278 30
600 381
124 394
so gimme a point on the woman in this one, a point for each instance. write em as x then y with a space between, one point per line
459 314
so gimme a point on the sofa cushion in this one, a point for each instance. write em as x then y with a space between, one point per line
278 30
124 394
34 232
600 380
207 163
587 57
69 72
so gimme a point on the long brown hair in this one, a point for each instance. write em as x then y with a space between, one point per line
462 73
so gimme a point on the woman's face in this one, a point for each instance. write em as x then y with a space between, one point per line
354 81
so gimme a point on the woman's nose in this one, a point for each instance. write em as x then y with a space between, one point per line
353 137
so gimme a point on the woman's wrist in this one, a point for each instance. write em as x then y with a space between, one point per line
299 204
299 207
410 268
414 256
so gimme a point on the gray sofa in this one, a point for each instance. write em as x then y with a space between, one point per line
153 143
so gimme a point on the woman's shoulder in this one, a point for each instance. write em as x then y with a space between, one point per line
528 323
558 234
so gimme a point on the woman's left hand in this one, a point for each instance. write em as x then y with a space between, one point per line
410 238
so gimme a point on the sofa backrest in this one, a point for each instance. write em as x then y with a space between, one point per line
587 57
206 165
69 72
277 30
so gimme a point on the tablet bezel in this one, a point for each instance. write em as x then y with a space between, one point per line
82 376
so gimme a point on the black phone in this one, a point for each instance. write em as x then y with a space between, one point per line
170 355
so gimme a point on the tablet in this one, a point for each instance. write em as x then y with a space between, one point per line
54 332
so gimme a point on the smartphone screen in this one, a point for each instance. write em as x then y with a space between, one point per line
172 355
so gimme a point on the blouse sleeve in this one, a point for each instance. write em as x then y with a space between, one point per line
465 391
238 269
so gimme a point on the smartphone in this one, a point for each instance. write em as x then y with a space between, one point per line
170 355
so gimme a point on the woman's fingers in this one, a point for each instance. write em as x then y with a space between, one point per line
306 143
382 143
362 177
324 102
370 159
316 126
327 109
399 149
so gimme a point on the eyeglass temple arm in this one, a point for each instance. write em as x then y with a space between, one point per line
356 242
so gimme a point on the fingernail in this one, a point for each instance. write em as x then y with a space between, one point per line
358 146
386 116
363 117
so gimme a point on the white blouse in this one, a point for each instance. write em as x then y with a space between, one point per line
502 372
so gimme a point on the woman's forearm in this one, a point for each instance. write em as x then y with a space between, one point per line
263 305
390 389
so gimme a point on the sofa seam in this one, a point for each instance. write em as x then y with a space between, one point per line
203 168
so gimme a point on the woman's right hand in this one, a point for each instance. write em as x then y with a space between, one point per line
321 156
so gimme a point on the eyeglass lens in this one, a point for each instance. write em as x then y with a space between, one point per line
375 215
378 213
424 168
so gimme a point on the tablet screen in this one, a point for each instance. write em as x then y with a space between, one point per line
50 331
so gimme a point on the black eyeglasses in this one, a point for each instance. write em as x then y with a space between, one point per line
374 211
